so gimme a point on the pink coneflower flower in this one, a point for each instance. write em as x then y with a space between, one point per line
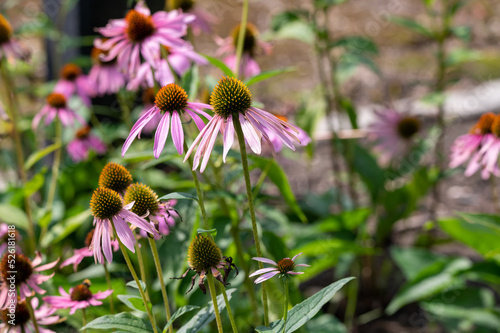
110 213
203 20
105 77
284 267
26 279
147 204
394 133
86 252
230 99
9 47
72 80
83 142
141 33
22 320
79 297
276 142
480 146
57 107
171 101
9 236
248 66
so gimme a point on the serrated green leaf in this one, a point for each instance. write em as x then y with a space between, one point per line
267 75
178 313
220 65
39 154
123 321
179 195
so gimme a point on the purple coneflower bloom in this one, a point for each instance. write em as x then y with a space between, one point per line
171 101
203 20
248 66
141 33
277 144
9 235
108 211
57 106
284 267
83 142
26 279
231 98
23 322
9 47
105 77
393 133
79 297
74 81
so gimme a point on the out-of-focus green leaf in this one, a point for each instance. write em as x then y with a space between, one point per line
39 154
301 313
412 25
133 302
279 178
13 215
220 65
459 56
132 284
282 19
212 232
179 195
205 315
326 323
267 75
124 321
348 220
351 112
34 184
371 174
298 30
463 32
356 44
178 313
61 230
264 329
349 62
411 261
327 3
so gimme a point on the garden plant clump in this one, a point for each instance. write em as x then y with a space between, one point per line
176 166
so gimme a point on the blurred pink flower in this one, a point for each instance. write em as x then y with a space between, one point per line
284 267
6 237
79 297
10 48
74 81
105 77
26 280
56 106
203 21
142 34
23 323
276 142
148 100
163 219
172 102
83 142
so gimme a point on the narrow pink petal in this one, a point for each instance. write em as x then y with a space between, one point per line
46 266
210 146
302 265
251 135
228 137
199 137
294 273
267 261
137 128
177 132
124 233
295 256
265 277
106 242
161 134
262 271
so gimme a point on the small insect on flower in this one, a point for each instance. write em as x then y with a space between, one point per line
172 102
23 322
56 106
115 177
205 257
10 48
108 211
79 297
26 279
285 267
231 99
72 80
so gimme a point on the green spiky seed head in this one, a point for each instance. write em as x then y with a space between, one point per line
105 203
145 199
203 254
230 97
115 177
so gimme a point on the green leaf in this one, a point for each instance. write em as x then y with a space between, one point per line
39 154
460 56
327 3
264 329
179 195
282 19
178 313
298 30
205 315
191 80
412 261
371 174
301 313
123 321
463 32
412 25
132 284
279 178
133 302
34 184
212 232
356 44
326 323
61 230
351 112
267 75
220 65
13 215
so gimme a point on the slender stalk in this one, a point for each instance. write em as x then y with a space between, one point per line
229 312
246 173
136 279
285 302
12 111
110 287
32 314
241 36
211 286
156 257
125 107
140 260
84 319
55 173
198 190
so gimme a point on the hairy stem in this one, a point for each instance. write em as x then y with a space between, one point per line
198 190
241 36
211 286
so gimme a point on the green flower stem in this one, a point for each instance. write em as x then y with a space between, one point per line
32 314
198 190
12 111
241 36
211 286
125 107
84 319
140 260
285 302
136 279
110 287
229 312
156 257
246 172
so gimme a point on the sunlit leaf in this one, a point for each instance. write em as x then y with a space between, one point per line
220 65
124 321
